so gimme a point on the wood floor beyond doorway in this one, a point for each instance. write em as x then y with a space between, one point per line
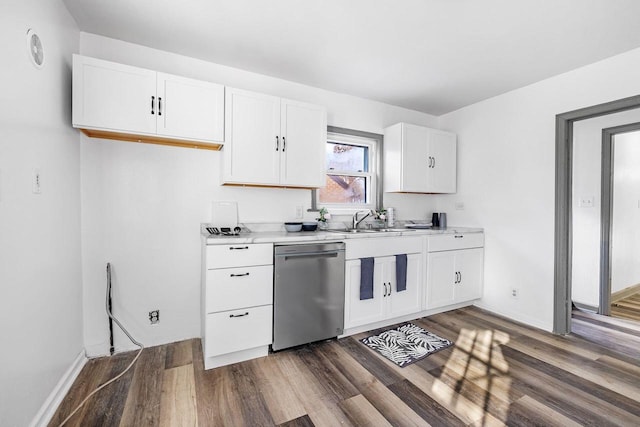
498 373
627 308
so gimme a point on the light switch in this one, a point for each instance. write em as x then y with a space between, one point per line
586 202
459 206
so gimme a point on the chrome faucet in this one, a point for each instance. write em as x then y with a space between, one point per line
355 221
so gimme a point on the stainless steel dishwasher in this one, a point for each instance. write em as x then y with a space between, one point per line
308 293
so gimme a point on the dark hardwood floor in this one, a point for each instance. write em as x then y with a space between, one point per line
498 373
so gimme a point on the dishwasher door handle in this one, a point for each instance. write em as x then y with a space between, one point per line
314 255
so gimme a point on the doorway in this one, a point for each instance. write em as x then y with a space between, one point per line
563 217
620 276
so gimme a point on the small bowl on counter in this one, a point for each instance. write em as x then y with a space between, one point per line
309 226
292 227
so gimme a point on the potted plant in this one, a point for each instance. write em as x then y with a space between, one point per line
324 217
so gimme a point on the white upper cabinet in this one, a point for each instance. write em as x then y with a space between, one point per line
273 141
119 101
304 137
252 152
113 96
419 160
189 108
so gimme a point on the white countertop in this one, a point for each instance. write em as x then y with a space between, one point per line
315 236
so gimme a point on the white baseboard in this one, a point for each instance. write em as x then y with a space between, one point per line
518 317
49 407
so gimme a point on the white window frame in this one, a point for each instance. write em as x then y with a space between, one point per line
373 143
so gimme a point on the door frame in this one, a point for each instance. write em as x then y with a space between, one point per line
563 211
606 212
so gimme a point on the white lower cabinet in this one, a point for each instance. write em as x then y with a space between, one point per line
454 269
387 302
235 330
237 302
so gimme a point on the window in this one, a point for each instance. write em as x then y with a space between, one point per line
351 162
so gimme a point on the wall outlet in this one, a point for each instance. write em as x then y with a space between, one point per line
299 212
515 292
459 206
37 182
154 317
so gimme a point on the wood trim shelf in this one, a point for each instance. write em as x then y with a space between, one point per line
293 187
150 139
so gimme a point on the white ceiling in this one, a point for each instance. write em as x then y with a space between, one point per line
433 56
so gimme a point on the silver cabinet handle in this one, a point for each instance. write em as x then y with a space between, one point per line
284 144
434 163
239 275
458 236
159 106
239 315
429 165
153 104
277 142
238 248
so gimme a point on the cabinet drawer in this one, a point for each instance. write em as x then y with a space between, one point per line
230 288
235 330
224 256
448 242
384 246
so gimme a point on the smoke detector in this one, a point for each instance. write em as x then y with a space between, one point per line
36 50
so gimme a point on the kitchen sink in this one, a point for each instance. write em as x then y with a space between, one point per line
369 230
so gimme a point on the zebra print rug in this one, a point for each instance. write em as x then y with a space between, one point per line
406 344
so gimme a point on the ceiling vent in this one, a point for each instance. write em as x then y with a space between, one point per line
36 50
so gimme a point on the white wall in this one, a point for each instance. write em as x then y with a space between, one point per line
142 204
506 173
587 171
40 304
625 263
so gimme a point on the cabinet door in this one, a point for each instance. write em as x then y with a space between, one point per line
252 146
113 96
442 171
359 312
415 158
189 108
304 136
440 278
237 330
469 265
410 300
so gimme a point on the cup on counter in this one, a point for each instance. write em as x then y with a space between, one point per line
435 220
439 220
442 220
391 217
